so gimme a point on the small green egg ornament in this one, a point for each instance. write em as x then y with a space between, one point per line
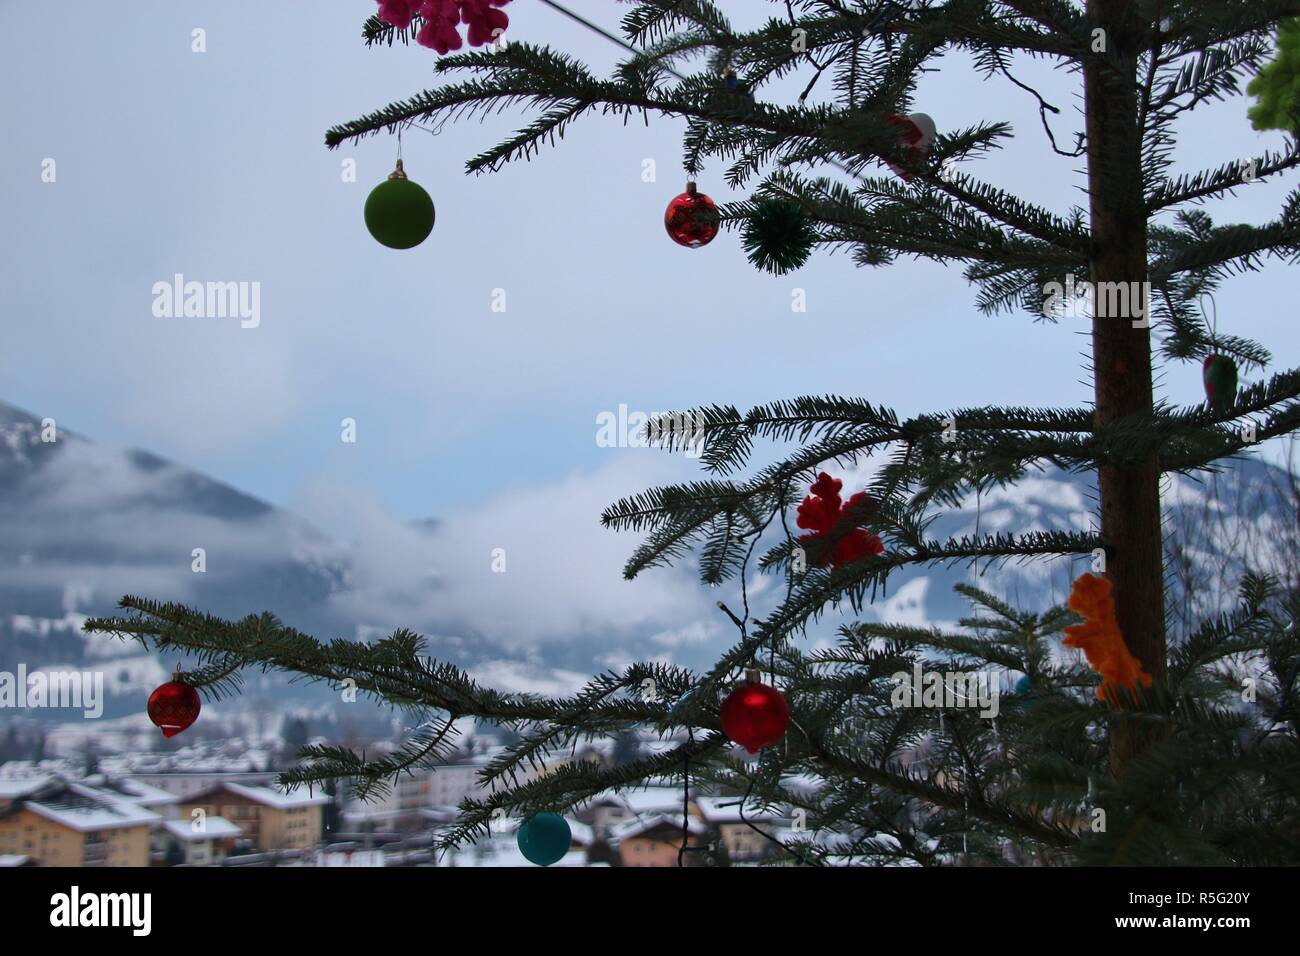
399 213
544 838
1220 374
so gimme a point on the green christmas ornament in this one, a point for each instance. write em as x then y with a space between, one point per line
778 236
544 838
1277 87
399 213
1220 374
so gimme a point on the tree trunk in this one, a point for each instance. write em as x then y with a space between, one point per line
1130 495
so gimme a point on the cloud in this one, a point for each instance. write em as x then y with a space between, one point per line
562 572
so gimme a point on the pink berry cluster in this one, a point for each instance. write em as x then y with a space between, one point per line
441 17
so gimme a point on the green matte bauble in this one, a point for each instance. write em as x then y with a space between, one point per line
544 838
399 213
1220 374
778 236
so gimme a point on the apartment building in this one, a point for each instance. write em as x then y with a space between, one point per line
55 822
269 818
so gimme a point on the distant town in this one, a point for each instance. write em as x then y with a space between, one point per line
219 803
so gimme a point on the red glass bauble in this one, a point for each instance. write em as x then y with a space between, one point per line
173 706
692 219
755 715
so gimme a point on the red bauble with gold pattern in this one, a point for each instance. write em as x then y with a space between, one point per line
692 218
173 706
755 715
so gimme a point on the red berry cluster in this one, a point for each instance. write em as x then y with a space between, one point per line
823 514
441 18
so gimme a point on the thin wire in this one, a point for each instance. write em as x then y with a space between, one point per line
686 800
759 830
614 38
560 8
1213 323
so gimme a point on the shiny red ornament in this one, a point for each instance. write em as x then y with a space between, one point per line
173 706
755 715
692 218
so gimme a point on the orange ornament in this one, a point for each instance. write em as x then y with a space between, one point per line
1100 639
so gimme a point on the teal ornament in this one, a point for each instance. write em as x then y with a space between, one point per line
1031 698
544 838
1220 375
399 213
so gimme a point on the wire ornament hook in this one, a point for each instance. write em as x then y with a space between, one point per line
1211 319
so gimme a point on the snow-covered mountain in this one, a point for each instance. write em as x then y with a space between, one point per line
82 524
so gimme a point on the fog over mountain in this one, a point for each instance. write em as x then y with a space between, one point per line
84 524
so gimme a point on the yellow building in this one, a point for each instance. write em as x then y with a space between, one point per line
656 840
58 823
722 814
270 819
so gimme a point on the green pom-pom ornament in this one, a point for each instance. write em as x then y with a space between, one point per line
544 838
399 213
1277 87
1220 375
778 236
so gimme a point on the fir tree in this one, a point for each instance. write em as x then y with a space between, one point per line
1188 770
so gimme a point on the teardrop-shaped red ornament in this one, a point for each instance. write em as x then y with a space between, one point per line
755 715
692 218
173 706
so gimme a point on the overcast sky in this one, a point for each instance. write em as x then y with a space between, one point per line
212 165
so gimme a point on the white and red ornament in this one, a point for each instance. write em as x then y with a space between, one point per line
916 132
173 706
755 715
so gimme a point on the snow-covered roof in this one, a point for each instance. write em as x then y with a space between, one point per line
582 833
214 828
633 828
268 796
86 809
23 786
806 783
140 793
727 810
652 799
